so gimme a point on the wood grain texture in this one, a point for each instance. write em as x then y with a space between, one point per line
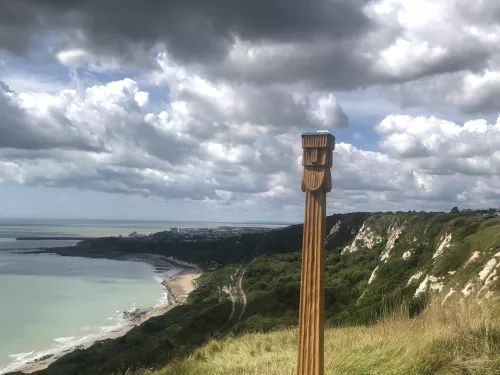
316 178
311 318
316 182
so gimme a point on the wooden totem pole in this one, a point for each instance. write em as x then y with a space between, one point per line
316 182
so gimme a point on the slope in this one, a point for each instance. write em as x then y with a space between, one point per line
458 339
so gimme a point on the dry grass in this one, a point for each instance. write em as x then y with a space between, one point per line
462 338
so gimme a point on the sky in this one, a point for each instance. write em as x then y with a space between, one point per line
193 109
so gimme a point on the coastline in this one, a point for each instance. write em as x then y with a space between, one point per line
178 288
182 284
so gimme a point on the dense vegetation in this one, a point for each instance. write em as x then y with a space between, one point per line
397 252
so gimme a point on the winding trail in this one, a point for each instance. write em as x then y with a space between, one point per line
243 297
227 289
237 296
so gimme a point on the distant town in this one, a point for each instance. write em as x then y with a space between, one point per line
172 234
197 234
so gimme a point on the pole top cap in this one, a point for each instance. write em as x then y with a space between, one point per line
317 132
318 139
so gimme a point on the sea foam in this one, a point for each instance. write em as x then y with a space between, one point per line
66 344
21 356
65 340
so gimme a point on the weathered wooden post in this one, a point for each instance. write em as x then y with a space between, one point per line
316 182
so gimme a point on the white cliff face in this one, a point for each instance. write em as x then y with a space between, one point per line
415 277
483 284
407 254
479 286
475 255
443 244
493 276
333 231
468 289
373 276
489 274
392 236
431 282
435 285
365 237
488 267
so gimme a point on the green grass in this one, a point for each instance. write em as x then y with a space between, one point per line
461 338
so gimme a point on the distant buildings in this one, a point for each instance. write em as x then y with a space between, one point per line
136 235
199 234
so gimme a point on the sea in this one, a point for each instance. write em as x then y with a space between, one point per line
51 304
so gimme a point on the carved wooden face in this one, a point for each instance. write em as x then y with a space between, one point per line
317 157
317 150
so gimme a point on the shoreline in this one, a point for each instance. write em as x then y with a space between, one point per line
178 288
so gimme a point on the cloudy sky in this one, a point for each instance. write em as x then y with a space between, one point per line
111 108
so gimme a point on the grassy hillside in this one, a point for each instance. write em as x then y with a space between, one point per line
420 253
459 339
387 259
372 261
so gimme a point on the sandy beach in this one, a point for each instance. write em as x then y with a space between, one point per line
178 286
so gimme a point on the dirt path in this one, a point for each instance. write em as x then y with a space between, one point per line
227 289
243 297
238 299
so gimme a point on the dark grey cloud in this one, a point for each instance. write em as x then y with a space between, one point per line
321 44
192 29
321 64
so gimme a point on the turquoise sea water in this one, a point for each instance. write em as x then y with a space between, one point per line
50 303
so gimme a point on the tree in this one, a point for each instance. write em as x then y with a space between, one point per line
454 210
